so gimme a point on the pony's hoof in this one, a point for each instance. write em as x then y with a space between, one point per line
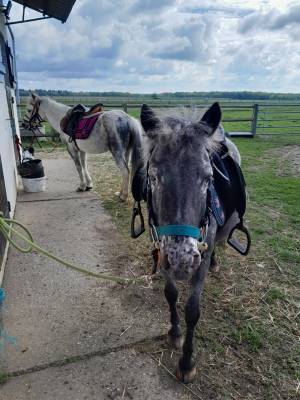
186 376
175 341
79 189
88 188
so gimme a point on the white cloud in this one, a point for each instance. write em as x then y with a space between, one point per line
164 45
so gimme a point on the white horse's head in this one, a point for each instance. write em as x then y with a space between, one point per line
34 115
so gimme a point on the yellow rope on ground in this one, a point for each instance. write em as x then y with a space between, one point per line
6 228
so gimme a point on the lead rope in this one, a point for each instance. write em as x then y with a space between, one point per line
7 229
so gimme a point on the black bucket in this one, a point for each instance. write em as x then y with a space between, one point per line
31 169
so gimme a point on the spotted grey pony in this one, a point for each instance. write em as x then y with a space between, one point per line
115 131
179 174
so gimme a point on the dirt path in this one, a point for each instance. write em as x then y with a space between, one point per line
289 154
78 337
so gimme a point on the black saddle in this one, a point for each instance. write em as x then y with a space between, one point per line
70 121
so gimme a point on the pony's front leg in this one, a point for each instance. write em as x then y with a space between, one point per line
174 337
186 370
88 179
75 154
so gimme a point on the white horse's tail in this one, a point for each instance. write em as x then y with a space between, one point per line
136 145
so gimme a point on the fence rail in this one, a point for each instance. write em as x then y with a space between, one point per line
286 119
238 119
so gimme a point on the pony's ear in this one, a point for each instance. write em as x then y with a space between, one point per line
212 116
149 120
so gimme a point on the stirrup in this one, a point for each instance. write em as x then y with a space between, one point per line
136 211
233 242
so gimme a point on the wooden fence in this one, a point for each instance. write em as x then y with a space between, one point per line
241 119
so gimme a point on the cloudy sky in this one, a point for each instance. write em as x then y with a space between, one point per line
151 46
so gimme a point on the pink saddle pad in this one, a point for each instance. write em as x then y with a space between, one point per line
85 126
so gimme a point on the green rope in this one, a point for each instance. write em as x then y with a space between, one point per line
6 228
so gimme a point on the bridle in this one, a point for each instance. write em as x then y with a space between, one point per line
34 122
158 231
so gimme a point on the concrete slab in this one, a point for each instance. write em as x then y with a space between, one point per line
56 313
62 181
120 375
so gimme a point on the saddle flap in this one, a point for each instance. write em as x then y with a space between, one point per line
229 183
70 120
216 206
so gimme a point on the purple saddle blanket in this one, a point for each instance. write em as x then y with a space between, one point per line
85 126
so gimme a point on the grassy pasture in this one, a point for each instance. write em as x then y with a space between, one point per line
247 340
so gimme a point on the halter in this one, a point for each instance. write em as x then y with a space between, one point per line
179 230
157 231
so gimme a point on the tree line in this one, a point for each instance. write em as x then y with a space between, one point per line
243 95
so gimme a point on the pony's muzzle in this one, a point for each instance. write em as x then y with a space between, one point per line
180 255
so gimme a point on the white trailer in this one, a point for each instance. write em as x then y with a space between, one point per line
9 125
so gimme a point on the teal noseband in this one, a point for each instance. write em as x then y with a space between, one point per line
179 230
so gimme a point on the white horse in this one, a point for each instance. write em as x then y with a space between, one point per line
115 131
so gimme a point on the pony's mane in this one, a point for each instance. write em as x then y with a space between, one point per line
174 129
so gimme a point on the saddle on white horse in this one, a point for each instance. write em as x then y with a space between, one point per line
79 121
